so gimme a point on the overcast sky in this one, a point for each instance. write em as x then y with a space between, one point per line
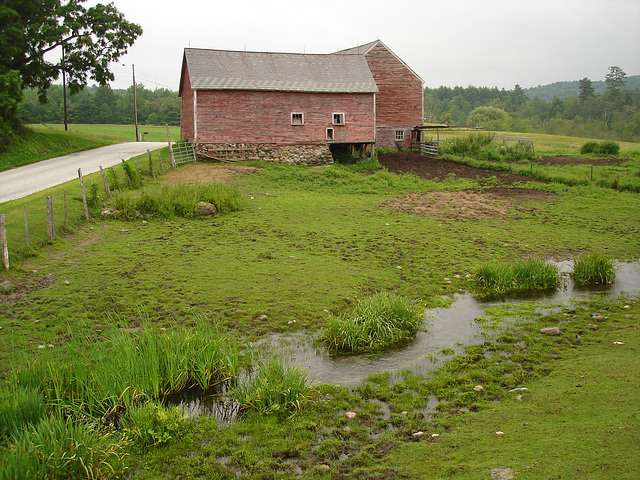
447 42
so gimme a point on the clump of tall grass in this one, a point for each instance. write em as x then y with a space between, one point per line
102 380
468 145
274 388
57 448
375 323
593 269
521 276
19 407
153 424
179 200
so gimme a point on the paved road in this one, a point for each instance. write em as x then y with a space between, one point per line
22 181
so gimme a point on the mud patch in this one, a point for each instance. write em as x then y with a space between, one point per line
206 173
470 204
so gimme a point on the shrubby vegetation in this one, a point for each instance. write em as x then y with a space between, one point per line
521 276
614 113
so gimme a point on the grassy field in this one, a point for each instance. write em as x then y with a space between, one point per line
307 244
124 133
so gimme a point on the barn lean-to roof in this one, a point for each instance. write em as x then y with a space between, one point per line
289 72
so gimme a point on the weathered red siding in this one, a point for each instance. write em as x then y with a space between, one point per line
186 114
399 102
236 116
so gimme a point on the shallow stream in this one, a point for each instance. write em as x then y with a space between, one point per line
450 327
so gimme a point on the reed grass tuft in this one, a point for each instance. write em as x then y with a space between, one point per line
274 388
377 322
522 276
593 269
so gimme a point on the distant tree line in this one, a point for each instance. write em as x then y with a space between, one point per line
614 114
103 105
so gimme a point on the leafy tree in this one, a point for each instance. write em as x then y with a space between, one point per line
615 79
586 89
490 117
92 38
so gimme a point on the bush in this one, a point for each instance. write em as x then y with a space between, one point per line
602 148
593 269
377 322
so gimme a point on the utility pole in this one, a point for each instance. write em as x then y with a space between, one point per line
64 88
135 105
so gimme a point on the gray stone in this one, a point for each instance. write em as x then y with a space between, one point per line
351 415
7 286
502 473
205 209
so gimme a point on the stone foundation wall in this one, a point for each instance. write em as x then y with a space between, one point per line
290 154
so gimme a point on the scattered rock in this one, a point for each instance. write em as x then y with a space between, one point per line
205 209
435 435
418 434
618 343
7 286
110 213
346 429
551 330
261 318
502 473
598 318
404 414
519 389
351 415
479 388
324 467
519 397
66 282
499 433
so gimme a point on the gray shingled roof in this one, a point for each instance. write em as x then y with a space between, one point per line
289 72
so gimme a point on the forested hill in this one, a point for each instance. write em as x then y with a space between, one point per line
563 90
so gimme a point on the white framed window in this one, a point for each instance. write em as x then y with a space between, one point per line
297 118
338 118
329 133
399 135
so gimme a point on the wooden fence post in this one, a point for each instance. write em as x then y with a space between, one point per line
84 195
153 173
106 184
26 226
173 159
3 242
51 230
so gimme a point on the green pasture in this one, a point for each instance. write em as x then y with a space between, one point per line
124 133
305 246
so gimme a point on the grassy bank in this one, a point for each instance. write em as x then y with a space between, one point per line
34 145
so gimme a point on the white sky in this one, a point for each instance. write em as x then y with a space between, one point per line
447 42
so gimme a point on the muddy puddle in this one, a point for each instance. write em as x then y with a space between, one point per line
451 328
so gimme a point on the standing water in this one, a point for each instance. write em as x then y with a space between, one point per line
444 328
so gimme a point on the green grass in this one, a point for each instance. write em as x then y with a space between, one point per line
520 276
123 133
593 269
377 322
274 388
178 201
35 145
311 240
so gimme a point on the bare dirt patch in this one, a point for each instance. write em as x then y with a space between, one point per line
439 169
469 204
206 173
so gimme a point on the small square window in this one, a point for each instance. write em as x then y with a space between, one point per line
399 135
329 133
338 118
297 119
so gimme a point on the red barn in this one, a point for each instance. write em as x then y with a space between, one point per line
296 108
